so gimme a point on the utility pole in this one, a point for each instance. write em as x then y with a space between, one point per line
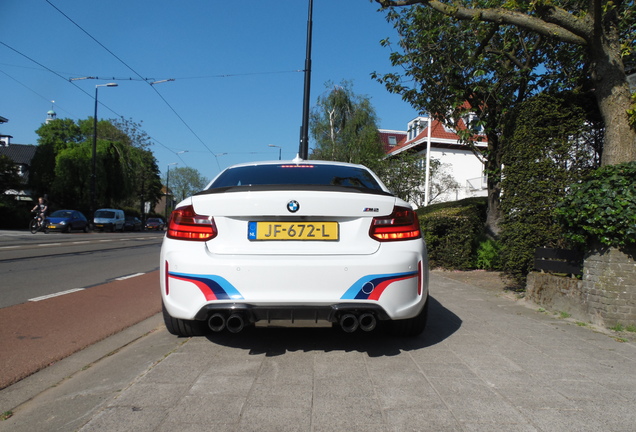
304 130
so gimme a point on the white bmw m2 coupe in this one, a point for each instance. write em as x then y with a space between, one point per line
296 240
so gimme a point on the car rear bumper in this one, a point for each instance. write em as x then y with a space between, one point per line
393 283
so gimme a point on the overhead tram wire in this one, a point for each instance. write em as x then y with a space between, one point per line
136 73
58 75
36 93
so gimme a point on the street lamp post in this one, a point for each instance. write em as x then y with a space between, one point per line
279 149
168 188
94 170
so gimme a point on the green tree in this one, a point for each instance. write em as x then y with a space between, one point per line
142 166
54 137
496 57
405 176
587 39
185 181
548 150
126 172
9 176
344 127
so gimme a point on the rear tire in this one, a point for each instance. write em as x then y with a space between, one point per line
411 326
181 327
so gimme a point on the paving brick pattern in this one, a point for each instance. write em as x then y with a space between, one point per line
486 363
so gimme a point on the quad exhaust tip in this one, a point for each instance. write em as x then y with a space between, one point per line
367 322
235 323
350 322
217 322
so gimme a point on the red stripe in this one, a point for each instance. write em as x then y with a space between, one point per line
378 290
167 278
207 292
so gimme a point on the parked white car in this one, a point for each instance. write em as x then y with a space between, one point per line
296 240
109 219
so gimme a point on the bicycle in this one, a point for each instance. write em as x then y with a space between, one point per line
38 224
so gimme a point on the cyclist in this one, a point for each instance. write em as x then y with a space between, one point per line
41 209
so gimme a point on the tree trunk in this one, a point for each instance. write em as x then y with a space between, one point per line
493 171
614 98
494 208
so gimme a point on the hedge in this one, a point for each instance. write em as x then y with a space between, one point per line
452 230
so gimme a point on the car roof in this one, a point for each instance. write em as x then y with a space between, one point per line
297 161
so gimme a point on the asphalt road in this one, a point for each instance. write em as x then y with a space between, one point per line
35 266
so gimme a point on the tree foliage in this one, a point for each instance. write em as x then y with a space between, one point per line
495 55
580 43
602 208
54 137
344 127
405 176
552 145
185 181
9 176
126 171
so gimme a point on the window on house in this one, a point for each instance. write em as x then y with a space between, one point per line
392 140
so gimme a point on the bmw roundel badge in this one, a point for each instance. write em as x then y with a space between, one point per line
293 206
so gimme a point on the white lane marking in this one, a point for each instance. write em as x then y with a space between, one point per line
36 299
80 242
9 247
49 244
129 276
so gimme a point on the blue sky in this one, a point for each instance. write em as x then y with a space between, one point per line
237 70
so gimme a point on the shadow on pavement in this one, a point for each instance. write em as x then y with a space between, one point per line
273 341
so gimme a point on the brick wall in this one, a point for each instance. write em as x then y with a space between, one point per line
609 286
605 296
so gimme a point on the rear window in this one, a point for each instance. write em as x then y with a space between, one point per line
61 214
297 174
105 214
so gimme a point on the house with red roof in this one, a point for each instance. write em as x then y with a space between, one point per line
458 160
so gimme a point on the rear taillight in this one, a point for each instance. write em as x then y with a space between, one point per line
402 224
185 224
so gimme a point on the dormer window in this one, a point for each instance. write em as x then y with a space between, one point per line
392 140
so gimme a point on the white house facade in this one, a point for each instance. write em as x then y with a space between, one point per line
458 160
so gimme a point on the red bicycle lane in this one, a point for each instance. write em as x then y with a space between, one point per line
34 335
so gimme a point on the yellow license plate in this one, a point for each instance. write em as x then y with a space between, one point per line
325 231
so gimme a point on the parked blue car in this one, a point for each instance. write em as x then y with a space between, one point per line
66 221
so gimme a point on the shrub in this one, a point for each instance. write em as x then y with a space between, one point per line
451 230
15 214
488 255
131 211
603 207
